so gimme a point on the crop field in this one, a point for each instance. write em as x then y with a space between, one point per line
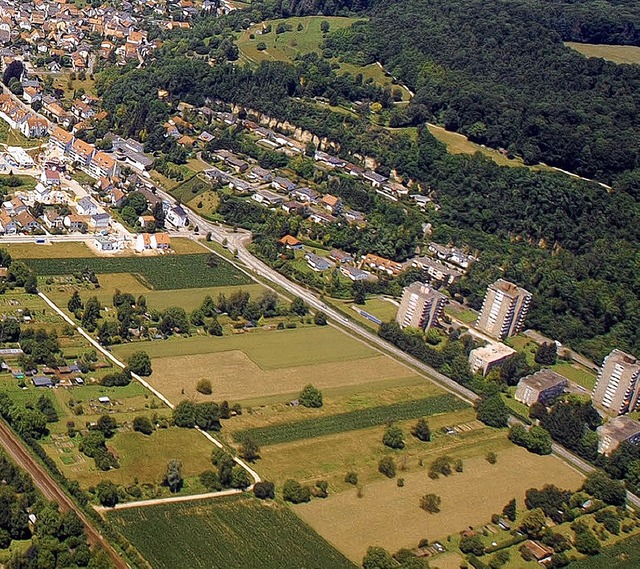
189 299
615 53
390 516
160 273
360 419
234 532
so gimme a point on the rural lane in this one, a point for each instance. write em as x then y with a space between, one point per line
52 491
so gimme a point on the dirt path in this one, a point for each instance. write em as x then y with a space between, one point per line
52 491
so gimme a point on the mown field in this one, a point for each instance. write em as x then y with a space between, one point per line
355 420
160 273
387 515
235 532
615 53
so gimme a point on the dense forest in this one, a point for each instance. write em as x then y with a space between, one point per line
498 72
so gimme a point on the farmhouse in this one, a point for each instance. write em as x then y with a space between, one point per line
486 358
541 387
541 553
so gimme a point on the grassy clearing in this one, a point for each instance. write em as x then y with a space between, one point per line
267 349
61 81
615 53
240 532
160 273
190 189
62 250
459 144
390 516
140 456
206 203
285 46
360 419
576 373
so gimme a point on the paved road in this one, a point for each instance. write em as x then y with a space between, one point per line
51 491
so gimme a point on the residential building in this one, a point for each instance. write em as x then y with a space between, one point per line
421 306
544 387
618 430
356 274
617 390
290 242
504 309
392 268
177 216
332 203
437 270
265 197
86 206
484 359
316 262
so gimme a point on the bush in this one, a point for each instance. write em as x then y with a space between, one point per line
320 319
140 363
261 46
492 457
493 412
204 386
294 492
264 490
421 430
430 503
143 425
387 466
310 396
471 544
393 437
210 480
351 478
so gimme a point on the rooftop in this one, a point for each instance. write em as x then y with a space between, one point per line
544 379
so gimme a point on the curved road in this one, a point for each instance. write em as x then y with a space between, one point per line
52 491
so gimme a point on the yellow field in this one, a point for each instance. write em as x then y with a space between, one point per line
235 377
390 516
615 53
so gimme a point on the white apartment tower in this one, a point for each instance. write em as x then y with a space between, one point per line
504 310
617 390
421 306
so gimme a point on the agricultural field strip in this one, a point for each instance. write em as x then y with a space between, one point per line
353 420
101 349
240 532
186 271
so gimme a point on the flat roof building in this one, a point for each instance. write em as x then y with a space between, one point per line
541 387
421 306
617 390
615 432
484 359
504 309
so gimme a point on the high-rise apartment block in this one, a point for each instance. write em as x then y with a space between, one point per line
617 390
504 309
420 307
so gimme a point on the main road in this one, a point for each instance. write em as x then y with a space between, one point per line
52 491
